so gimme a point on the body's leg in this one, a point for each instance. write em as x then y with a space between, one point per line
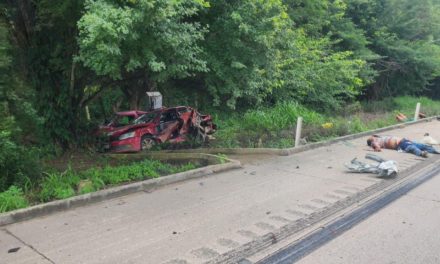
412 148
427 148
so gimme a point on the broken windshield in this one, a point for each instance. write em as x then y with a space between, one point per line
145 118
122 120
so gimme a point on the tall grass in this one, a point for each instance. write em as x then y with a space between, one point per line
403 104
12 199
407 105
67 184
56 185
274 127
263 125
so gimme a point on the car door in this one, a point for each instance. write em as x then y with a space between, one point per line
168 125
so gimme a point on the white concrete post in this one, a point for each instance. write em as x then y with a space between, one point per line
298 131
416 115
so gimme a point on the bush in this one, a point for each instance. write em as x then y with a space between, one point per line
67 184
145 169
12 199
17 163
59 185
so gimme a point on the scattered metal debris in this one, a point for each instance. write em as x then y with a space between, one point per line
146 129
382 168
13 250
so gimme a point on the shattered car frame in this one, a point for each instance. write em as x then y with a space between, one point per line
171 125
119 119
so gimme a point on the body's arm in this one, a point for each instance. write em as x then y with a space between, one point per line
376 147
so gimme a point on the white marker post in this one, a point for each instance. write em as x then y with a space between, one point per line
298 131
416 115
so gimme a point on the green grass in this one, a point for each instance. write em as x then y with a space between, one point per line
264 127
55 185
407 105
403 104
63 185
12 199
222 158
146 169
275 127
58 186
257 127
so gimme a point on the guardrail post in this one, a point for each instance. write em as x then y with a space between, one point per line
298 131
416 115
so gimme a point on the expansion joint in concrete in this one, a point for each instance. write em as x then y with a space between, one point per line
28 245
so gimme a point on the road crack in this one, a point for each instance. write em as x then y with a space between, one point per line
28 245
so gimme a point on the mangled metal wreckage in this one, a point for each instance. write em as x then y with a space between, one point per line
133 131
384 168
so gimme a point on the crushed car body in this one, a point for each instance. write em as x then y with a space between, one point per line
172 125
120 119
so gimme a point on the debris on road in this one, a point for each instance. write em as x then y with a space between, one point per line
327 125
13 250
403 118
427 139
382 168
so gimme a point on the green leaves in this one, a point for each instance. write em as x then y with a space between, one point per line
67 184
18 119
102 29
235 54
240 49
12 199
402 33
154 37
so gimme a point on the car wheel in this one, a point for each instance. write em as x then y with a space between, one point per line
147 142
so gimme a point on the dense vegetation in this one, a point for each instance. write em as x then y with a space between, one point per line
256 64
60 185
275 126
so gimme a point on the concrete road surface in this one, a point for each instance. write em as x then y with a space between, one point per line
200 220
405 232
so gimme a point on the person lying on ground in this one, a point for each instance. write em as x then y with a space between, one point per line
390 142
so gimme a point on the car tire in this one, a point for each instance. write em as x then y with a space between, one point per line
147 142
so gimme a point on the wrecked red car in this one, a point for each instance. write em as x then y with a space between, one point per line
171 125
120 119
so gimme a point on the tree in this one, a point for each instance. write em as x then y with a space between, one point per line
44 35
404 34
241 49
18 120
314 16
141 43
311 73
